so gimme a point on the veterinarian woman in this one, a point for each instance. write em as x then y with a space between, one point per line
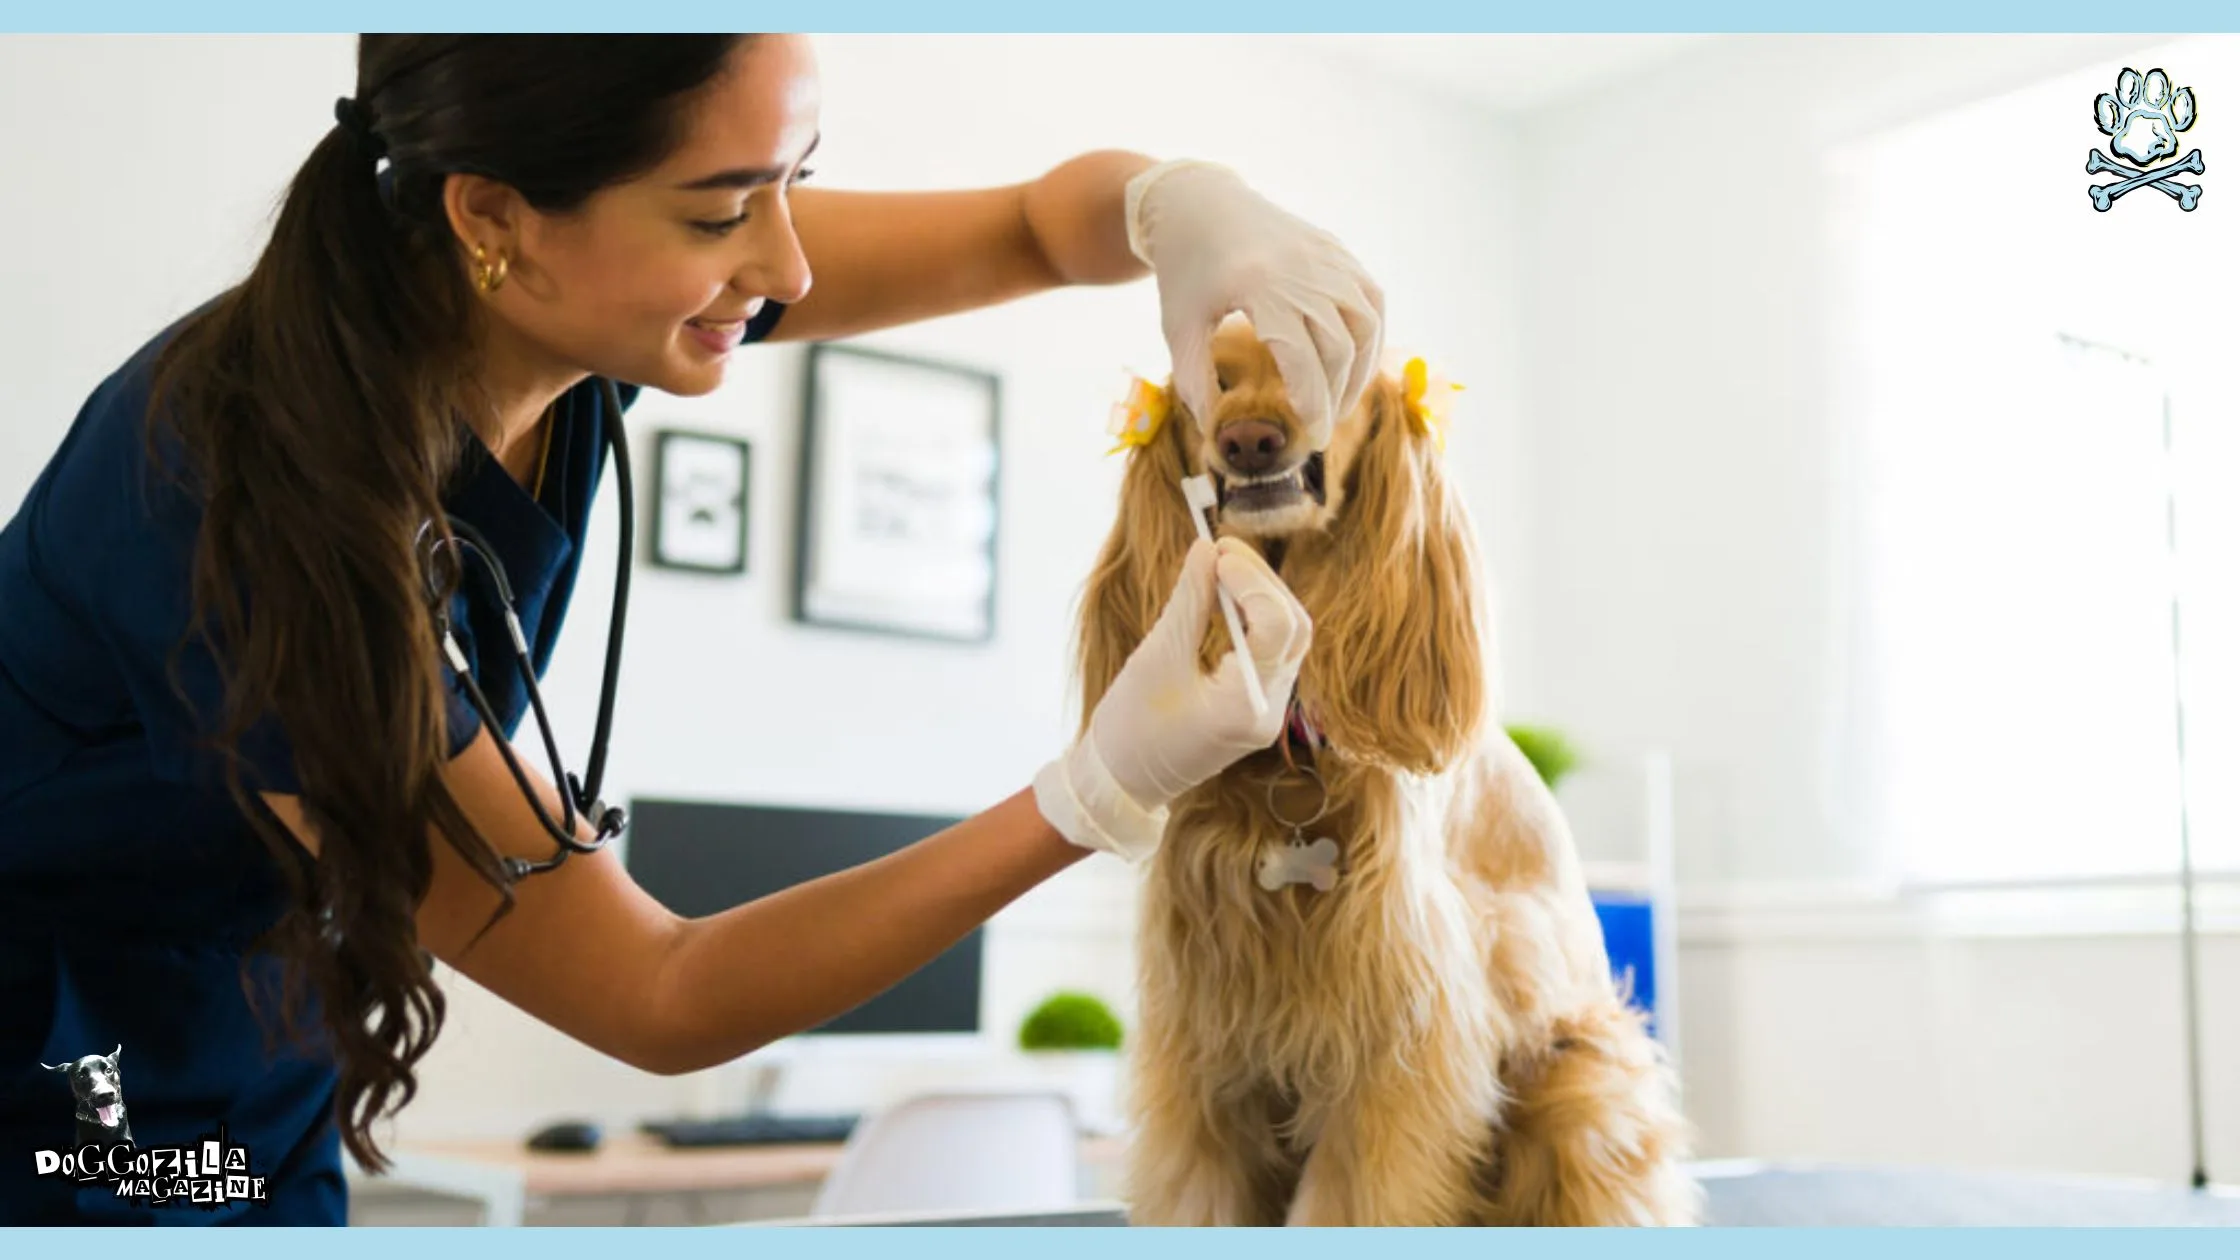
416 373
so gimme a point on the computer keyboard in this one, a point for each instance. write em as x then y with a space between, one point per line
756 1129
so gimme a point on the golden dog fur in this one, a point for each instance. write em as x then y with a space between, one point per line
1437 1040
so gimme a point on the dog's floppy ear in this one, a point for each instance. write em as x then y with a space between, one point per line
1141 558
1397 675
56 1067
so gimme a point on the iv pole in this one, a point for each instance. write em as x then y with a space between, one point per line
2189 944
2189 941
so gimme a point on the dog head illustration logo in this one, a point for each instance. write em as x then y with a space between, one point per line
209 1173
96 1082
2142 119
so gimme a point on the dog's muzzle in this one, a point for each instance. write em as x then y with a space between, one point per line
1274 491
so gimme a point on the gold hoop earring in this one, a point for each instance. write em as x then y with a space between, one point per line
488 275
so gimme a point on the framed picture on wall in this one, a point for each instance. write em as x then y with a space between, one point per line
700 501
898 501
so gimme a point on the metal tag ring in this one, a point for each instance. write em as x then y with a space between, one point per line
1320 809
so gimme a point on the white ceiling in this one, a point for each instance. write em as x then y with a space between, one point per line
1504 72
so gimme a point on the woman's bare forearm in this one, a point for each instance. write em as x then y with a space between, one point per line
790 961
1076 212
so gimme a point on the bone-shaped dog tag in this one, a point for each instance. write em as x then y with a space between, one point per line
1300 862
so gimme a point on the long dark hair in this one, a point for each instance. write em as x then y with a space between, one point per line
320 405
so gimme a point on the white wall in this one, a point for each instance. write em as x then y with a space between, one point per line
1856 1031
1684 348
1677 353
167 152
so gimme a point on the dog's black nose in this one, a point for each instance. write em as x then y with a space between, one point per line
1251 447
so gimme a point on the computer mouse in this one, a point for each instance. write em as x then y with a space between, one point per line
566 1135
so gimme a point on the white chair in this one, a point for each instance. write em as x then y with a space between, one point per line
936 1152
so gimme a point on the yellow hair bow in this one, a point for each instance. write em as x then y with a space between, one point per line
1139 415
1430 400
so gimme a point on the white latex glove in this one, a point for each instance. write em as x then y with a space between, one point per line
1164 727
1218 247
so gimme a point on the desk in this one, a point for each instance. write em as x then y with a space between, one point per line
505 1176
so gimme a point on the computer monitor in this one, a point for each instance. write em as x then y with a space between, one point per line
699 858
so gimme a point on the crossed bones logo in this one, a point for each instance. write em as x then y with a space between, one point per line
2142 119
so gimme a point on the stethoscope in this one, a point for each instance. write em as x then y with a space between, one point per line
575 795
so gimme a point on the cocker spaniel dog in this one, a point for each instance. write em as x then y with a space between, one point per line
1372 986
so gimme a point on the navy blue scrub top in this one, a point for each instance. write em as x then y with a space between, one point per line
130 886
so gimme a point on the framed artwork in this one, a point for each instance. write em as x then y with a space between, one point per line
700 501
898 502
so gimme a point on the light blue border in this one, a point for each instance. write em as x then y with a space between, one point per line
1179 16
1094 1244
1703 16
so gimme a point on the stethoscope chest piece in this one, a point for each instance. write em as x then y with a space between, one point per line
445 554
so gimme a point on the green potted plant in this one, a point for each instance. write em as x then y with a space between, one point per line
1547 748
1070 1021
1071 1040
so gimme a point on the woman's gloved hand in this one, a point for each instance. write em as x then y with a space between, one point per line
1164 727
1216 246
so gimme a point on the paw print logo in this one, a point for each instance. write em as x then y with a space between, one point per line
2142 119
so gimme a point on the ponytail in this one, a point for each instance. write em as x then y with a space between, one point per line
322 406
316 401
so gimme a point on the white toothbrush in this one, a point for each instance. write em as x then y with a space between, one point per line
1198 493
